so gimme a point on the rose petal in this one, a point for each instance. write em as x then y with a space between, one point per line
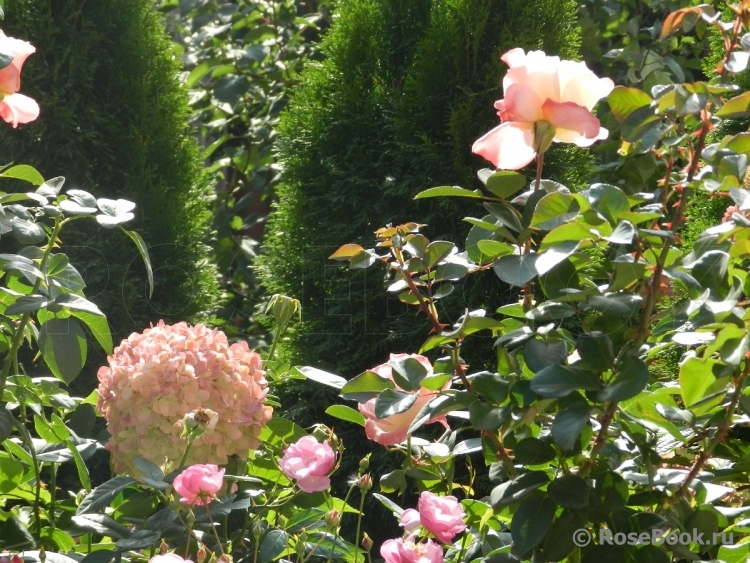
573 117
510 146
17 108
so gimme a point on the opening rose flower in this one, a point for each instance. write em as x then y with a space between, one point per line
443 517
15 108
309 462
410 519
393 429
198 484
546 99
406 551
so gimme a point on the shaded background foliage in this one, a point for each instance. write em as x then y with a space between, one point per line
113 121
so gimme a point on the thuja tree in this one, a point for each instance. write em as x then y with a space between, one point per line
114 119
404 87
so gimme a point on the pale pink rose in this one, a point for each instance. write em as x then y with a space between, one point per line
392 429
309 462
15 108
168 558
198 484
410 519
542 88
406 551
443 517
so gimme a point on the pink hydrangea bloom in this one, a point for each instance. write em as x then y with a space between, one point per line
168 558
15 108
539 88
309 462
392 429
199 483
154 379
443 517
406 551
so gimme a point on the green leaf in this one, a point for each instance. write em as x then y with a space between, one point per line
63 347
610 201
408 373
101 524
320 376
15 535
104 494
638 123
540 354
697 380
533 451
389 504
623 233
558 381
310 518
24 172
569 491
391 402
596 350
83 470
484 416
11 474
6 423
518 488
26 304
632 377
27 232
531 521
448 191
71 301
272 545
141 245
735 108
506 214
505 183
366 386
624 101
612 491
554 210
98 326
278 431
568 425
516 270
492 386
343 412
559 542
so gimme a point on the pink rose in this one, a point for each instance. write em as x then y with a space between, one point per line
168 558
310 462
537 89
392 429
198 483
410 519
406 551
443 517
15 108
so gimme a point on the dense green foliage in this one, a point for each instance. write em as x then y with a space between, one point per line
242 58
113 122
404 90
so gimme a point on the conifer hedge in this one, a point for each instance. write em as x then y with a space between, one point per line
114 122
405 88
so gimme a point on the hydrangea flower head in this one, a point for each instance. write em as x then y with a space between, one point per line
155 378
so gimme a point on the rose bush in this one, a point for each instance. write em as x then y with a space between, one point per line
545 98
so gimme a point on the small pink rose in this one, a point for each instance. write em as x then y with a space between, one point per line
168 558
443 517
15 108
541 89
393 429
309 462
198 484
406 551
410 519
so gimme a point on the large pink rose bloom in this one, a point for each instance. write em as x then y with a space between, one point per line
406 551
539 88
168 558
156 377
392 429
443 517
198 484
15 108
310 462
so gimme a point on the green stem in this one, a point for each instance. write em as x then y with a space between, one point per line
26 437
52 493
185 455
359 521
213 527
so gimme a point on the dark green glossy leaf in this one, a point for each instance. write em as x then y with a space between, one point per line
569 491
596 350
568 424
391 402
533 451
557 381
63 347
517 489
531 521
366 386
632 377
